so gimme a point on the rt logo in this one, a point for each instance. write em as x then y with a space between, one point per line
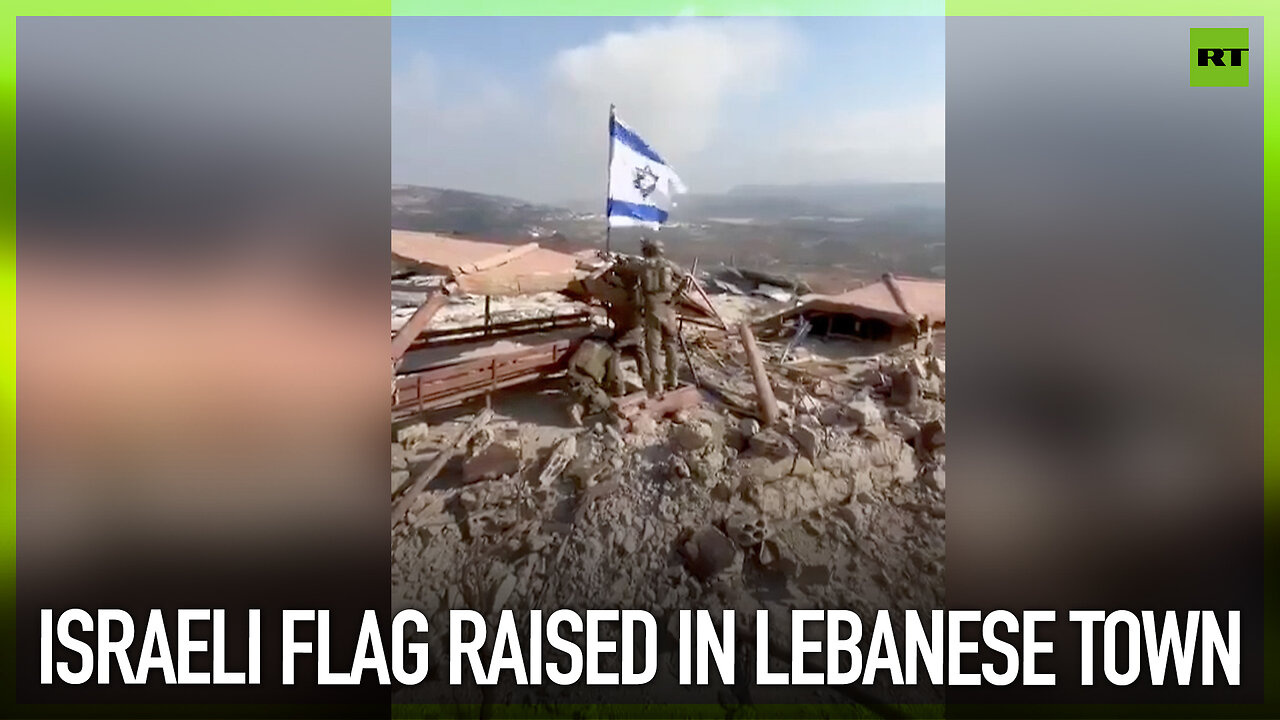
1219 57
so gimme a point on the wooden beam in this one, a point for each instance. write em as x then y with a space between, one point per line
416 324
764 391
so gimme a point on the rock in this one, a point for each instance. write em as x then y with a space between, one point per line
933 435
936 478
784 392
494 460
809 440
864 413
749 427
917 367
412 436
778 557
708 553
693 435
770 443
904 388
907 427
642 426
746 530
808 405
398 461
938 366
615 437
398 480
679 467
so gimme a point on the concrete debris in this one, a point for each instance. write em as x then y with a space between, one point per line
809 440
564 451
693 435
770 443
684 498
907 427
863 413
746 530
680 468
412 436
935 478
904 389
933 436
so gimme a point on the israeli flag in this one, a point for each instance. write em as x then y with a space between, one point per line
641 183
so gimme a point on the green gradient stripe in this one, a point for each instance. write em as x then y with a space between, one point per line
667 8
8 374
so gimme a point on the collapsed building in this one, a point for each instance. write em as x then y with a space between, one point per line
891 308
780 472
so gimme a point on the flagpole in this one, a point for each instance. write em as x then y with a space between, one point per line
608 182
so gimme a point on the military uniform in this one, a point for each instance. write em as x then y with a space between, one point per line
658 281
588 371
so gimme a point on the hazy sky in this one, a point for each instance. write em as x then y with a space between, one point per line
519 106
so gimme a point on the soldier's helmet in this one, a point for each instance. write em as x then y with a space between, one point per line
651 247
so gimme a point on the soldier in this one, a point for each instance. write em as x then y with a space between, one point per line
626 312
658 288
588 375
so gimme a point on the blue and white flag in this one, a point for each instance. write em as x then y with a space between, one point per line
641 183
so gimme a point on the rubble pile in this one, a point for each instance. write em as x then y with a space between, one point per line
838 504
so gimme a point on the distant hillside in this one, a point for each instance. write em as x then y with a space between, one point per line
433 209
855 198
846 231
778 203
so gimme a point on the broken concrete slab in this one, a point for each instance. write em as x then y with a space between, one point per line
864 413
561 455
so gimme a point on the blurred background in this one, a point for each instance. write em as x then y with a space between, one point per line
1104 225
202 324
